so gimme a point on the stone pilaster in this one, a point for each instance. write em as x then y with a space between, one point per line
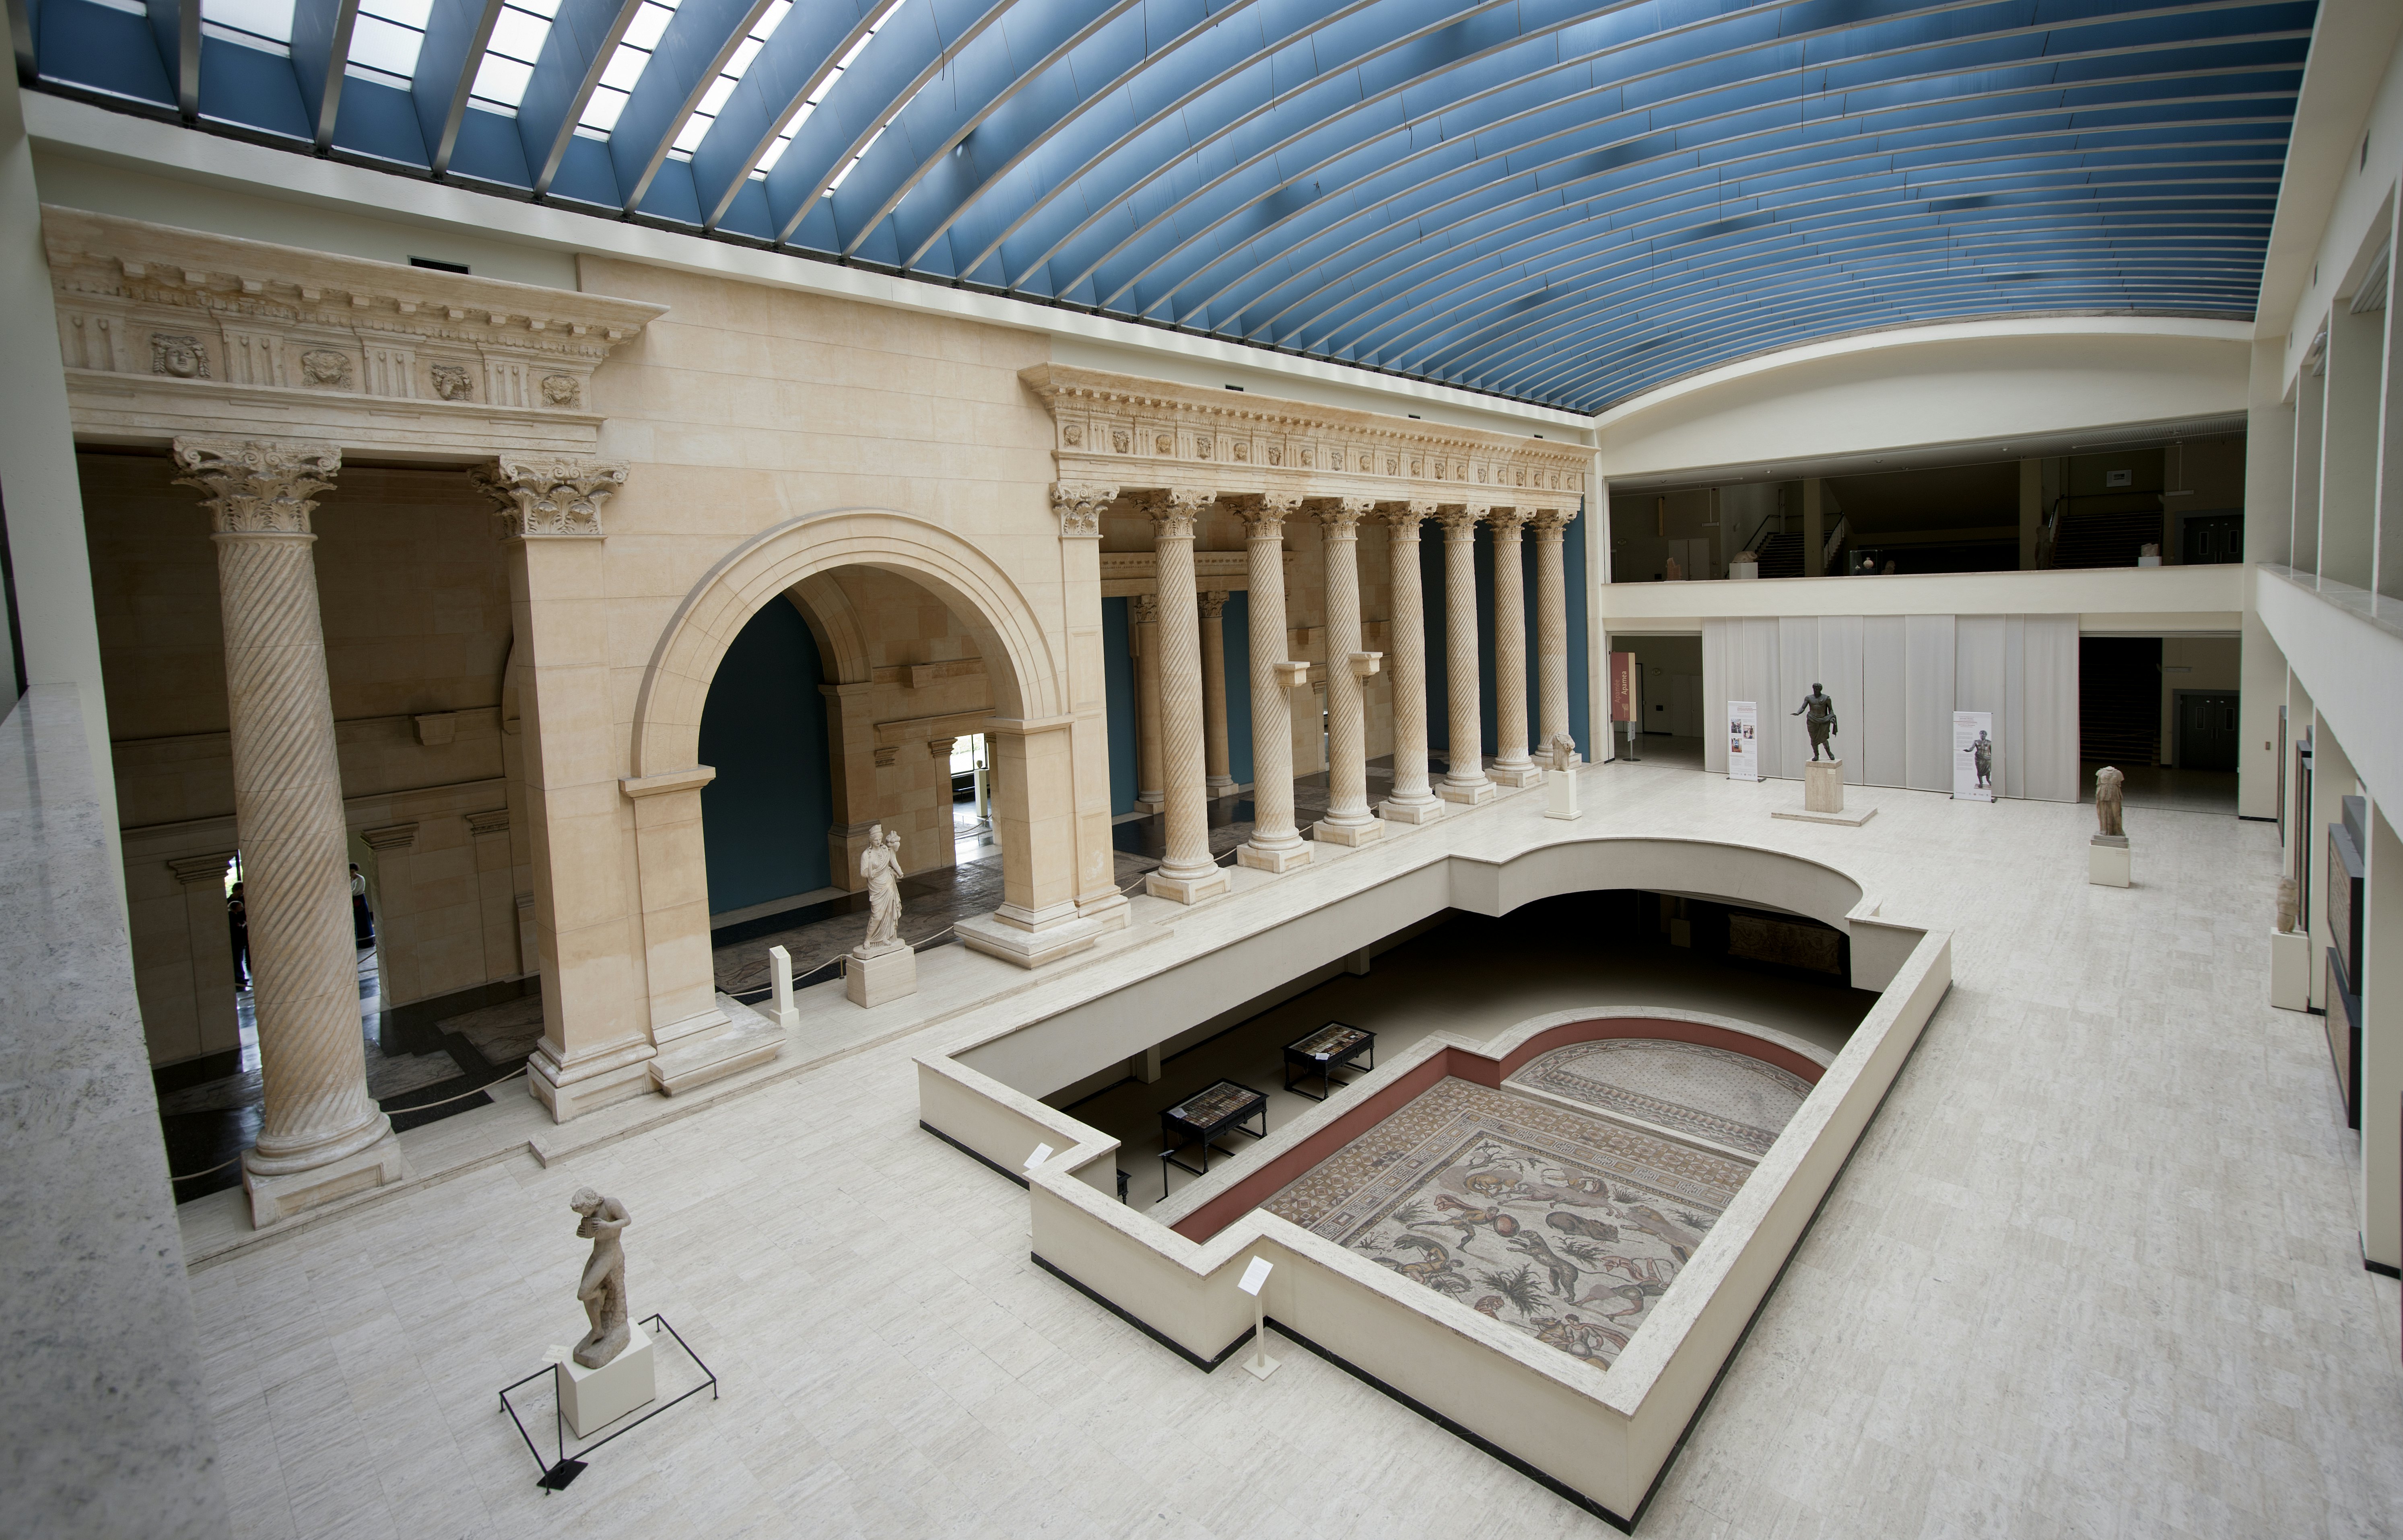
1143 624
1188 874
1551 624
1412 801
1511 766
1079 506
1275 844
1348 820
596 1044
1217 767
1465 780
322 1136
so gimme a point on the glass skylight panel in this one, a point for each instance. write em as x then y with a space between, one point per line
625 67
776 151
714 99
250 21
385 39
508 64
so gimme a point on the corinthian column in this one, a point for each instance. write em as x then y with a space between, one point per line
1348 820
1219 777
1412 802
1464 781
1552 624
1275 844
1511 766
1142 615
322 1137
1187 875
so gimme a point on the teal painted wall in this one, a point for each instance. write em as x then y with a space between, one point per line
764 819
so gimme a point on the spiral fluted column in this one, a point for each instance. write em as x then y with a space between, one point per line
1551 626
1465 778
322 1136
1348 820
1511 765
1143 612
1188 874
1412 802
1275 844
1217 767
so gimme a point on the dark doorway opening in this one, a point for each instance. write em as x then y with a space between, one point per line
2205 730
2120 700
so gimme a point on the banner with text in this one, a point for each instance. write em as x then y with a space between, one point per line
1976 756
1743 740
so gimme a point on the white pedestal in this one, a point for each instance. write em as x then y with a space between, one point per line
880 977
595 1399
1823 798
2290 970
2106 861
1561 795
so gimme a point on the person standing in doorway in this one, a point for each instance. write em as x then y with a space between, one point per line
362 923
238 929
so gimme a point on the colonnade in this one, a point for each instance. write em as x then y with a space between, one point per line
1181 698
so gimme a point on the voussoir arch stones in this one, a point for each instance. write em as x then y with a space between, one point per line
675 684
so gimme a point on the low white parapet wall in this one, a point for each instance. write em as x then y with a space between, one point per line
1600 1438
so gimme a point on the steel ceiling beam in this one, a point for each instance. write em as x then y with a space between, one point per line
583 34
457 32
796 61
700 42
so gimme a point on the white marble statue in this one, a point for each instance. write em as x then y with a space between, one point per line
1564 751
603 1288
879 864
2107 782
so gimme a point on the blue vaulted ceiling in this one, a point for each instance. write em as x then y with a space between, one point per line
1564 201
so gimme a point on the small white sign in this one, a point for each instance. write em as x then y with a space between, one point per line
1256 1275
1042 1153
1977 758
1743 740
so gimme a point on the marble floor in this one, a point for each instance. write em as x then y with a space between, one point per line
2091 1271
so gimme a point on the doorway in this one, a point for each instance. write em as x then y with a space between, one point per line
2205 730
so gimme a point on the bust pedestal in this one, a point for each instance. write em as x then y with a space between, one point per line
873 978
593 1398
2106 861
1823 798
2290 970
1561 794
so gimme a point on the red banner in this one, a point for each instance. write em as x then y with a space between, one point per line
1622 687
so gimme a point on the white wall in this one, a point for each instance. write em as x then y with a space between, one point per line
1978 382
2143 601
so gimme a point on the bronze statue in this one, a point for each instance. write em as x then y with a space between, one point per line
2107 782
1820 720
603 1288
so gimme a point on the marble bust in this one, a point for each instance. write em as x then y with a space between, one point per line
603 1288
2107 782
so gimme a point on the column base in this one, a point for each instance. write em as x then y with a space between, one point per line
870 979
1219 785
1187 890
1394 810
599 1080
1517 777
1151 806
744 1042
277 1197
1028 948
1107 913
1367 831
1273 858
1475 794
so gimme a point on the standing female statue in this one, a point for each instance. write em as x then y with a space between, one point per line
603 1285
2107 782
880 865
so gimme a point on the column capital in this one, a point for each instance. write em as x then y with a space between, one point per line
551 498
1343 515
1508 521
1551 524
1214 604
1264 513
1172 511
1080 505
257 486
1460 521
193 869
1143 609
1404 519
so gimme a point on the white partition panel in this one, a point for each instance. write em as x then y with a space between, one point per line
1927 701
1839 666
2014 766
1881 710
1798 659
1719 645
1757 679
2050 697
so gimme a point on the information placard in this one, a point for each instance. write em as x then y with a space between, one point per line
1743 740
1976 756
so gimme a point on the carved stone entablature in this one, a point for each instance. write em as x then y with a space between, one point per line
182 330
1135 433
257 486
1126 574
543 498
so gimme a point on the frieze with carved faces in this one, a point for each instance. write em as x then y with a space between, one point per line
178 356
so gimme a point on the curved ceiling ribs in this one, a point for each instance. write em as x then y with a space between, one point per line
1562 201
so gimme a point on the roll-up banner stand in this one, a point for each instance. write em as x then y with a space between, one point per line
1743 740
1976 757
1623 695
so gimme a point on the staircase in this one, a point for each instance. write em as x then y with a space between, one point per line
1781 555
2106 539
2120 700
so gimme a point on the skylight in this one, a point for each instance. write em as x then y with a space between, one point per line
776 150
385 39
508 64
625 67
252 22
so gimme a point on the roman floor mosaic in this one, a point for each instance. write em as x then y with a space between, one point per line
1728 1097
1563 1226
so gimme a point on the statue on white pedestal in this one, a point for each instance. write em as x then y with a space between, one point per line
879 864
1820 720
603 1288
1565 751
2107 782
